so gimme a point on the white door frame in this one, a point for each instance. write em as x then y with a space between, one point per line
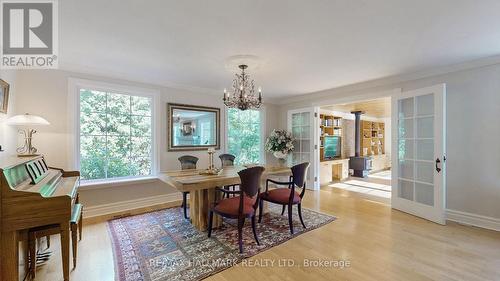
314 146
437 212
351 99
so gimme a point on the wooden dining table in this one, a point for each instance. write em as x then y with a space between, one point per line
201 188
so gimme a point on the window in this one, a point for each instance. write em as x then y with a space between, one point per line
206 131
244 135
115 135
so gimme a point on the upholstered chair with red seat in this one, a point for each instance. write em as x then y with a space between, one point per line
242 206
287 196
188 162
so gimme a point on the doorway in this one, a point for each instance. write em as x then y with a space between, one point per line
355 148
409 147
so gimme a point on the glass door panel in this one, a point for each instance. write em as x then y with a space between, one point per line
300 123
418 182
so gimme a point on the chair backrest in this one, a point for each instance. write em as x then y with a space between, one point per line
250 180
188 162
227 159
299 173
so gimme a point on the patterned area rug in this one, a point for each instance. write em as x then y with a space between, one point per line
163 245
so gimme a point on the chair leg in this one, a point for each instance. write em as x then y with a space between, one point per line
261 206
241 222
300 215
255 231
290 222
210 221
48 241
184 204
283 209
74 245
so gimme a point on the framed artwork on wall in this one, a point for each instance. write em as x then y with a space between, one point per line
4 96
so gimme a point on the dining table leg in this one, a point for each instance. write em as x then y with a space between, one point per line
200 202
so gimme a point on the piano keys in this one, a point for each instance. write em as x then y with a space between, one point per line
33 194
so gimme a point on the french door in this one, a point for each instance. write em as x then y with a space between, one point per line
304 124
418 152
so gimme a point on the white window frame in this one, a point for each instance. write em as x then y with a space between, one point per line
74 86
262 111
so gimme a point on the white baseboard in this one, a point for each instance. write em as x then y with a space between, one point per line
105 209
99 210
473 219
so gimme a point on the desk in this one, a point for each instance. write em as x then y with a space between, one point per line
202 192
331 170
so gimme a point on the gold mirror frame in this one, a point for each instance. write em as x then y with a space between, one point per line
5 102
170 135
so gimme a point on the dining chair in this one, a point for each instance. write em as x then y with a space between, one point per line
227 160
188 162
242 206
287 197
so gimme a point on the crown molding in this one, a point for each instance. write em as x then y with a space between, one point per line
392 80
106 73
98 73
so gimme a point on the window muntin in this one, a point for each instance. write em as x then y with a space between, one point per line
244 135
115 135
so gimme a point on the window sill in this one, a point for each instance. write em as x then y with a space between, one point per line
118 182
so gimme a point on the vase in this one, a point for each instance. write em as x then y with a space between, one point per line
279 155
281 158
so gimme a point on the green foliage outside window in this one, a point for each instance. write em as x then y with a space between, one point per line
244 135
115 135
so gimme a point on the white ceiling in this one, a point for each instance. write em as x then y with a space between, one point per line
304 46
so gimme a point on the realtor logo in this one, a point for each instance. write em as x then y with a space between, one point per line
29 34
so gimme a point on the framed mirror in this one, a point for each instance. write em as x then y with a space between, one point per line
192 127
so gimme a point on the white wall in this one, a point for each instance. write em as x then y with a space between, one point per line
45 93
473 121
8 143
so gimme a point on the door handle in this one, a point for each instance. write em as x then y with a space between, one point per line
437 163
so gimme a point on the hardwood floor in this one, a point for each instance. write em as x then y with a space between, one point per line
379 243
371 188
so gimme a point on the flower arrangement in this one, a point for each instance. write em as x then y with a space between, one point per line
280 143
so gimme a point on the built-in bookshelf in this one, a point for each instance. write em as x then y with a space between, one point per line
330 125
372 141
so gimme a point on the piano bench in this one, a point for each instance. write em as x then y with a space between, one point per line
53 229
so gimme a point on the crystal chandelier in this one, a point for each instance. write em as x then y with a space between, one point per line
243 94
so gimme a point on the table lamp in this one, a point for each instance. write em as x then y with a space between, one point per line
26 120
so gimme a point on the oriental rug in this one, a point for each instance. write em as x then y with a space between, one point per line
162 245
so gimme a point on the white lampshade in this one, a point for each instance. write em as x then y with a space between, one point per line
26 120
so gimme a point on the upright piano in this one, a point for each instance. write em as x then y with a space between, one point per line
33 194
